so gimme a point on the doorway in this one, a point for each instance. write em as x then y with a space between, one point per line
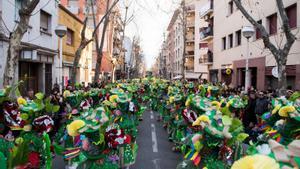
28 73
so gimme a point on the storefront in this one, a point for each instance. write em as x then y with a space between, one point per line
256 69
35 70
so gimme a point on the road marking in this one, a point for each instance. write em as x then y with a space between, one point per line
156 163
154 139
151 115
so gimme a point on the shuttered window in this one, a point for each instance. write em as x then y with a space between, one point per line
291 12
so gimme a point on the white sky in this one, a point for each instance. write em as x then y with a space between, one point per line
151 18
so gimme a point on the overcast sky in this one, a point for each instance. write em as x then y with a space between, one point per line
151 18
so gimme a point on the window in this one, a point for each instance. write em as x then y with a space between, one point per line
70 37
224 43
258 33
45 22
291 12
238 38
230 40
272 24
230 8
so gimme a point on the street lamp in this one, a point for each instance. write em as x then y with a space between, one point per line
248 32
60 31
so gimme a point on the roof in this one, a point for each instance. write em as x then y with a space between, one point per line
70 13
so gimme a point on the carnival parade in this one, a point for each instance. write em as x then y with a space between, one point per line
97 127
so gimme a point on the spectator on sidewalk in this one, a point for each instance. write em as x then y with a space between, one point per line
30 95
249 118
262 104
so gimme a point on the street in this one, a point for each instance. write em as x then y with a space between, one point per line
155 151
216 83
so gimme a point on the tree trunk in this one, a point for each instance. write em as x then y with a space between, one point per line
78 52
14 47
282 80
83 43
100 49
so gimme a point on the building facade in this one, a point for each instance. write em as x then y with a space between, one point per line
203 37
71 42
230 47
38 60
183 42
83 9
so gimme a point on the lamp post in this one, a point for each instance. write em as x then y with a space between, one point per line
248 32
60 31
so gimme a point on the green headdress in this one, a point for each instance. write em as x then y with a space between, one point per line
94 119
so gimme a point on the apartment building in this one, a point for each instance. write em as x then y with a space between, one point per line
83 8
170 52
183 40
38 60
190 69
175 44
71 43
230 47
204 37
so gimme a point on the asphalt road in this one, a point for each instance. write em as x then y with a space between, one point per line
155 151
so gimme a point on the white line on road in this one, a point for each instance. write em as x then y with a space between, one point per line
151 115
154 139
156 163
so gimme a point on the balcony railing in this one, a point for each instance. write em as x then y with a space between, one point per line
207 58
207 9
206 33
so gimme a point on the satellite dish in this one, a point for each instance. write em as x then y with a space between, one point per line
275 72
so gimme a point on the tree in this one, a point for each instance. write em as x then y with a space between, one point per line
84 41
100 48
15 37
280 53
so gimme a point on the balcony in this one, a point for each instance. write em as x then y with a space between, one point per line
190 24
190 38
190 54
207 10
207 58
206 34
190 48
